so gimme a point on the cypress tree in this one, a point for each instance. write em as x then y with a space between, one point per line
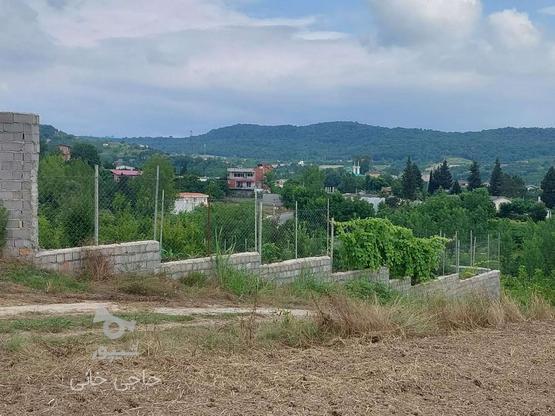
474 179
548 188
411 180
444 177
407 182
432 184
417 178
456 188
496 180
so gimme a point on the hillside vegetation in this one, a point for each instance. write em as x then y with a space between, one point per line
342 140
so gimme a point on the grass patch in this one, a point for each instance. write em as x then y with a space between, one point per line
307 284
362 288
56 324
194 279
292 332
159 286
527 289
241 283
42 281
13 344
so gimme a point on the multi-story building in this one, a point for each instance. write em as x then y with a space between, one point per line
247 179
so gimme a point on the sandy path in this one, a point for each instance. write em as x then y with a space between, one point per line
91 307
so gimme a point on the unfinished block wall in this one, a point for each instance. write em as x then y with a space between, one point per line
19 163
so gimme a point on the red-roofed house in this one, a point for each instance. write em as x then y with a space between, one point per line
125 173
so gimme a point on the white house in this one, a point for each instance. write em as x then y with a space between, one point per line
188 201
498 201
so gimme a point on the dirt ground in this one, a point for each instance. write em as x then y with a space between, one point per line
509 371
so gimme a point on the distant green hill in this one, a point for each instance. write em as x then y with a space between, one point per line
52 135
342 140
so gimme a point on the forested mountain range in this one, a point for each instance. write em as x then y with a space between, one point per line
342 140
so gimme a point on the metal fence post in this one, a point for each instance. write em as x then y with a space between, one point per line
156 200
458 250
474 252
296 230
260 229
255 221
96 205
470 249
499 250
332 238
209 227
489 264
328 229
162 221
443 255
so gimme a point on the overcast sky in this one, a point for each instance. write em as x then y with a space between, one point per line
165 67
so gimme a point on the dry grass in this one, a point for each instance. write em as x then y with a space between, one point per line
501 371
96 266
540 309
345 317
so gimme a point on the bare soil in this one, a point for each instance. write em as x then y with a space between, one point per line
508 371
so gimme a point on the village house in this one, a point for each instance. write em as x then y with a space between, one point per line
189 201
125 172
247 179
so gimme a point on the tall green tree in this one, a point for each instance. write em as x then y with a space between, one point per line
145 185
411 181
85 152
512 186
548 188
474 178
433 185
444 177
456 188
496 180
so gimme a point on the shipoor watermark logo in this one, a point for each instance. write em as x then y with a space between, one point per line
114 328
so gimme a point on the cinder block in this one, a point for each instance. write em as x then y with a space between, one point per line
6 117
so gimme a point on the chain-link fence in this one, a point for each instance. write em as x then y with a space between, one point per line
66 211
473 251
289 234
107 208
463 254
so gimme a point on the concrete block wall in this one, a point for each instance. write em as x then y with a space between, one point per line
136 257
282 272
206 265
488 284
19 162
379 276
485 284
287 271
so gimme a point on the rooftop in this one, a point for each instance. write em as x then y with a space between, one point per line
240 169
184 195
125 172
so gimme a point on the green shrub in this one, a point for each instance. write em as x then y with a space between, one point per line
524 288
362 288
374 242
239 282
